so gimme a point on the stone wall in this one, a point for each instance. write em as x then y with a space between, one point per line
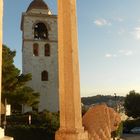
36 64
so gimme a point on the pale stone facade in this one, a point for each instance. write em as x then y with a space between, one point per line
35 65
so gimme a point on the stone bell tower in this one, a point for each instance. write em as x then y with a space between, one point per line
39 53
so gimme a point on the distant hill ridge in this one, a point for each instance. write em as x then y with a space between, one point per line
100 99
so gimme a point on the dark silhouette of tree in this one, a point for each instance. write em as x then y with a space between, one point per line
132 104
14 87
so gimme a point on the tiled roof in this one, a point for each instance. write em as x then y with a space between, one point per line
37 4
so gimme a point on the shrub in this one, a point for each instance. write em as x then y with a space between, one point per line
23 132
118 132
130 124
43 126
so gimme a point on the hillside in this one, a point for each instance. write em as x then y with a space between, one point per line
100 99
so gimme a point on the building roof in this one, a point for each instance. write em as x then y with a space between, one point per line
37 4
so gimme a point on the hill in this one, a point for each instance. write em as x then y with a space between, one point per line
101 99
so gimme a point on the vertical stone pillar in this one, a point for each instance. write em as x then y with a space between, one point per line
69 87
2 137
1 17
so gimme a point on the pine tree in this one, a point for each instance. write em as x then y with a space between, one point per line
14 87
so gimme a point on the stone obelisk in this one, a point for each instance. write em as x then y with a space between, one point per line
69 86
1 18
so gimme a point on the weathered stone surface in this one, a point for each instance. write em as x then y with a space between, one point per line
2 137
71 135
69 87
1 133
100 121
6 138
115 119
1 16
36 64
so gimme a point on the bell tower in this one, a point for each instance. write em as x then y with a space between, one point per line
39 53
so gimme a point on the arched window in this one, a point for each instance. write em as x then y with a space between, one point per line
40 31
47 50
35 49
44 76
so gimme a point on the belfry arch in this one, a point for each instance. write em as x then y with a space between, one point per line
40 31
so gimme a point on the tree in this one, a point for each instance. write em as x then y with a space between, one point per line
132 104
14 87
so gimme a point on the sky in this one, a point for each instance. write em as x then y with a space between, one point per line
109 42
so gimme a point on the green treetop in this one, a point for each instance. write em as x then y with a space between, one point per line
132 104
14 87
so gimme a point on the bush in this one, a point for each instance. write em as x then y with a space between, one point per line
118 132
43 126
23 132
130 124
17 119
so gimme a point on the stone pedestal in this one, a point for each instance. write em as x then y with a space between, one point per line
6 138
71 135
68 66
1 133
2 137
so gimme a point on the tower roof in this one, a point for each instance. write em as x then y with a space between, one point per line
37 4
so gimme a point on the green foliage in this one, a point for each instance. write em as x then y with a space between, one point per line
43 126
24 95
84 110
118 132
132 104
130 124
23 132
44 118
9 71
14 87
17 119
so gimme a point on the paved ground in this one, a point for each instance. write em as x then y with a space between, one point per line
131 136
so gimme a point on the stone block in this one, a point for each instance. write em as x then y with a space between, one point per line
2 137
6 138
1 133
71 135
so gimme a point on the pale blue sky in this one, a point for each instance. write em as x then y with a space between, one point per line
109 42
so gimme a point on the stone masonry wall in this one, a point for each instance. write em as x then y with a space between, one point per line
36 64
